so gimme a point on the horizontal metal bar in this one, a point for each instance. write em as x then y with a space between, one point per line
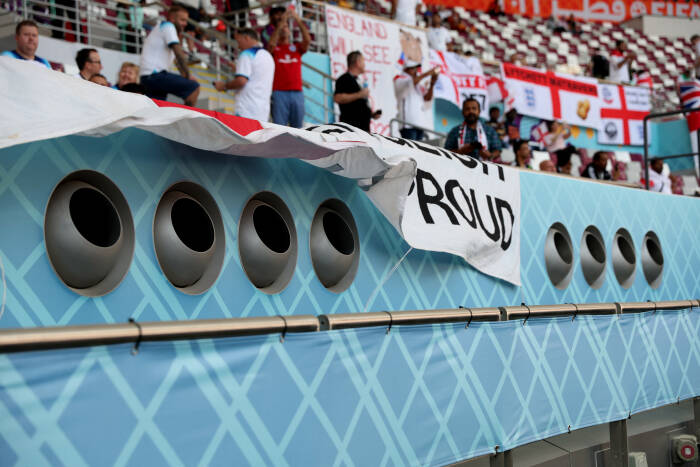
637 307
44 338
16 340
669 113
675 156
566 309
412 317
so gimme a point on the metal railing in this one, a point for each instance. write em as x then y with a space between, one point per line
44 338
673 156
326 90
438 140
99 24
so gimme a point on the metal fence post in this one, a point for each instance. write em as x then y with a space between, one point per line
618 444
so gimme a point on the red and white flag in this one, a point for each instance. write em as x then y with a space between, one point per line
644 79
460 78
498 92
622 113
553 96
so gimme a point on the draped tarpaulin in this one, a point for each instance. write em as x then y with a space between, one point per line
426 395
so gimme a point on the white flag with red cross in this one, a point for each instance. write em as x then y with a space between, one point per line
553 96
460 78
622 113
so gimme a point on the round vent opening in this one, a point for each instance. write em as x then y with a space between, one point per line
558 256
563 245
94 217
189 237
267 242
593 257
624 259
338 233
334 245
89 233
271 228
652 259
192 224
595 248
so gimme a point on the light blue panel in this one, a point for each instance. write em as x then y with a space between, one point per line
143 166
670 138
422 395
446 115
577 204
314 96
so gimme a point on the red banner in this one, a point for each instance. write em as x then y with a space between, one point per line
599 10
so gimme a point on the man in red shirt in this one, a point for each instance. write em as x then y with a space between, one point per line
287 95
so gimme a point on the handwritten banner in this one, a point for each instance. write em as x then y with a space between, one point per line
383 44
553 96
600 10
460 78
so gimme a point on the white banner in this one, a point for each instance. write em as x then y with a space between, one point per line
383 44
460 77
553 96
436 199
622 114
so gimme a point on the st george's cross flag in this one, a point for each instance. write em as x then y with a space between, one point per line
622 112
553 96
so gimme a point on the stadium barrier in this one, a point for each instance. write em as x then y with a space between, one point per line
44 338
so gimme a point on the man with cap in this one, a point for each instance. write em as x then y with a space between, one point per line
414 98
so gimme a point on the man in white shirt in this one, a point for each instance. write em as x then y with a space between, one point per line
255 71
620 60
438 35
414 98
404 11
657 180
161 47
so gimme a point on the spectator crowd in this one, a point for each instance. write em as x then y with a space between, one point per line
268 79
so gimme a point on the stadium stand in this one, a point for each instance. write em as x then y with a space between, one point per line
491 38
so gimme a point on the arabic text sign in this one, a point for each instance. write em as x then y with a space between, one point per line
460 78
553 96
383 44
588 10
622 113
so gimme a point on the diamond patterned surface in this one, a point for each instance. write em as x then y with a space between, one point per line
245 401
143 166
419 395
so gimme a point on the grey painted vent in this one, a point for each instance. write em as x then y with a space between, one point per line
558 256
652 259
267 242
624 258
189 237
89 233
593 257
334 245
